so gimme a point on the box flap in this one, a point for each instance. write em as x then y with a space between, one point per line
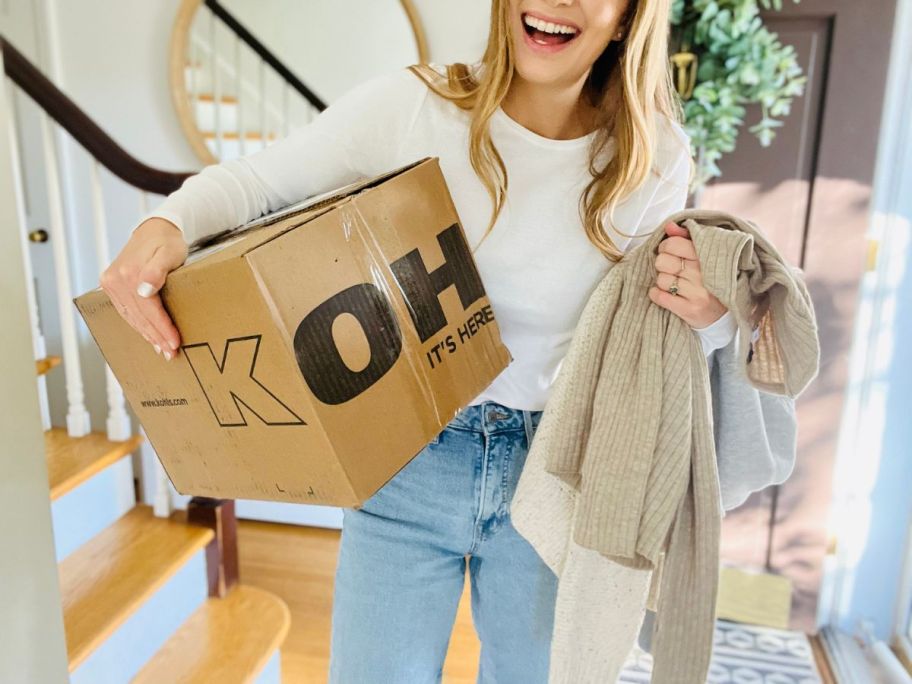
310 205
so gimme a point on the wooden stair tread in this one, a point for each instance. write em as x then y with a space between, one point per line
104 581
210 97
42 366
234 135
225 640
73 460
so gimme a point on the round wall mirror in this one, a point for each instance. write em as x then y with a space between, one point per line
244 73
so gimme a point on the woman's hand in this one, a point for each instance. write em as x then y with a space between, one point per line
693 302
133 280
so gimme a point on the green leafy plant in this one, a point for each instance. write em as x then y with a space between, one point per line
733 60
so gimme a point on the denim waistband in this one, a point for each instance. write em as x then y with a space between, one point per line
489 416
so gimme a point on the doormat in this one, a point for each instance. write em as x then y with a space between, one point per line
754 598
745 654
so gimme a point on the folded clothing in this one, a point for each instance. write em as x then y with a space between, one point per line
623 464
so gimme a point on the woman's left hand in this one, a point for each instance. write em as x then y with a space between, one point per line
693 302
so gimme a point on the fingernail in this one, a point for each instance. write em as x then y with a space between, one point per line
145 289
167 356
172 345
158 350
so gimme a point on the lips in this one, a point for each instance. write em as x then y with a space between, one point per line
544 35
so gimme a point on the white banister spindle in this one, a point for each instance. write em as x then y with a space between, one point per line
262 94
162 504
38 344
238 89
118 422
216 84
78 423
286 108
161 499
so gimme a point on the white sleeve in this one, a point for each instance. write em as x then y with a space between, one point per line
358 135
718 334
659 198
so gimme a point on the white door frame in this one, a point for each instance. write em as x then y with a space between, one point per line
902 630
33 646
890 234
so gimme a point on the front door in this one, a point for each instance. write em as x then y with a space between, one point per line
810 192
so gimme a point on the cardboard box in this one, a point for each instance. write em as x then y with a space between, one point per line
323 346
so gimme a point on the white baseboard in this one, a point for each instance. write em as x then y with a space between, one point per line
292 514
853 662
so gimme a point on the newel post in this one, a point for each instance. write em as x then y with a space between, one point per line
222 552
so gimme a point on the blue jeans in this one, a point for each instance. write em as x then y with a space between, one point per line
402 560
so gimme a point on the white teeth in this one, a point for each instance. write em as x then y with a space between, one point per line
547 26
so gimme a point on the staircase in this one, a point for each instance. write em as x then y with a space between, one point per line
233 96
148 595
133 585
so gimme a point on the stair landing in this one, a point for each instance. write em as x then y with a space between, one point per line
225 640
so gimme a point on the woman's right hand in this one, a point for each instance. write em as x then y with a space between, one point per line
134 278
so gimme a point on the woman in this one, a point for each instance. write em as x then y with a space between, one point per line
559 147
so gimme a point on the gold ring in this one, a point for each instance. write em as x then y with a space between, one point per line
683 264
674 287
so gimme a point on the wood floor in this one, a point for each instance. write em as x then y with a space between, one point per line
298 565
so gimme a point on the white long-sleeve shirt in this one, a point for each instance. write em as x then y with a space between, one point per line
537 265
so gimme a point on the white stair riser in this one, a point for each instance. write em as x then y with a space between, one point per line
124 653
250 89
204 81
95 504
228 117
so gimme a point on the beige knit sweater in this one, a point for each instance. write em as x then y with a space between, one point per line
620 491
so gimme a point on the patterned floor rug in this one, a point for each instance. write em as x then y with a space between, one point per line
744 654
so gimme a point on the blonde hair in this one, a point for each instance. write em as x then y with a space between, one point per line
633 72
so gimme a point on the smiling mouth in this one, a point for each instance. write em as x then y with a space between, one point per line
547 33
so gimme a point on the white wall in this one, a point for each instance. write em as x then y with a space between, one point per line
113 57
332 46
113 61
307 38
456 31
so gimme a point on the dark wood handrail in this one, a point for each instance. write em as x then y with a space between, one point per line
85 131
265 54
